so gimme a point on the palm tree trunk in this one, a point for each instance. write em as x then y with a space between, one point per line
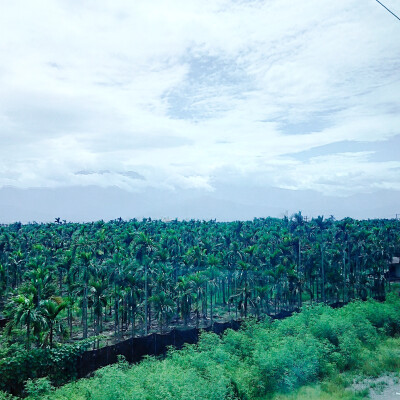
7 279
323 275
51 334
69 313
132 315
344 277
28 334
197 309
84 312
236 305
211 305
146 301
116 314
245 294
223 292
299 279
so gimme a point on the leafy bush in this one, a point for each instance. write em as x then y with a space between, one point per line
261 359
58 364
36 388
6 396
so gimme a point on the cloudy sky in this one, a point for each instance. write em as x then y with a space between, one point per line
230 106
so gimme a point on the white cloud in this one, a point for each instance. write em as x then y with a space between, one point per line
178 90
342 174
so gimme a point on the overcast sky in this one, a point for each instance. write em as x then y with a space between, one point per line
175 96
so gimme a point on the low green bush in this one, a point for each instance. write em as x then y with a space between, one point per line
37 388
58 364
260 360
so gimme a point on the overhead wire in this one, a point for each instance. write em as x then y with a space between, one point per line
391 12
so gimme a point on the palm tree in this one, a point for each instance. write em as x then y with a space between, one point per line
212 274
23 311
163 307
134 296
3 284
197 282
116 277
322 226
17 259
145 247
98 289
40 277
184 298
50 310
64 266
71 299
85 258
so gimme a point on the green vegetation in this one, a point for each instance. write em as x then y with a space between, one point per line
265 360
62 283
134 277
58 364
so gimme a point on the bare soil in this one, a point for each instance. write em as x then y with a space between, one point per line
386 387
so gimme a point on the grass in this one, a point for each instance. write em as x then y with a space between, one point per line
383 360
323 392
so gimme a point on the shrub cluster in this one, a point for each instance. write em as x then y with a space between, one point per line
58 364
261 359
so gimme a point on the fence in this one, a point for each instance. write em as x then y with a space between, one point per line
133 349
155 344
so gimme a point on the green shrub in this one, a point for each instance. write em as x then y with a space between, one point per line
6 396
37 388
261 359
58 364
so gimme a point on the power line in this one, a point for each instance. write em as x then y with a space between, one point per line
391 12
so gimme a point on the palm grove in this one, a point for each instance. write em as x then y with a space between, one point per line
65 281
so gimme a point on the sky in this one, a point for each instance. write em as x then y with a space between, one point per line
222 109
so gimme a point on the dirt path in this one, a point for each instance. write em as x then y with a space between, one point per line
386 387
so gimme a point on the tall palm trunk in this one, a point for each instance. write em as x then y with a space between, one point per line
299 278
116 313
211 305
146 310
132 315
84 311
245 294
51 334
28 334
7 279
344 276
69 321
223 291
322 274
236 304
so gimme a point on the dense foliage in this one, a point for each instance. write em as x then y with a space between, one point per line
68 280
262 359
59 365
